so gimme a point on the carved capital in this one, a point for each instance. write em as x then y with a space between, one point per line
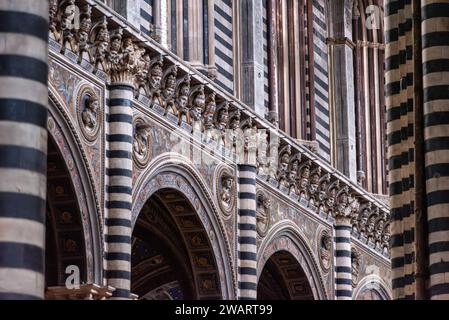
343 208
125 59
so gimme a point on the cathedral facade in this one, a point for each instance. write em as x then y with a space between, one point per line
187 149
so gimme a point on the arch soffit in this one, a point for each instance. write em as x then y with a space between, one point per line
286 236
174 171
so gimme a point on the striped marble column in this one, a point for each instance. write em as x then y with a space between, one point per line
247 248
23 147
343 277
119 190
435 61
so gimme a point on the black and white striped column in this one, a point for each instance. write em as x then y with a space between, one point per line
119 190
435 54
23 147
343 277
247 247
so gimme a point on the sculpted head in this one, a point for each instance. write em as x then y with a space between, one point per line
155 77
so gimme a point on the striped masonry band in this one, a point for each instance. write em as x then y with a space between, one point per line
23 148
247 247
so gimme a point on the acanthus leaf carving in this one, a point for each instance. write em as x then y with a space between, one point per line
343 208
125 59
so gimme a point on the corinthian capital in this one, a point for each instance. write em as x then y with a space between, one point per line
343 208
125 60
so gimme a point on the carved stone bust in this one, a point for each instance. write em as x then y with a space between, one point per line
209 111
155 76
226 190
141 142
263 213
355 266
89 114
325 250
88 110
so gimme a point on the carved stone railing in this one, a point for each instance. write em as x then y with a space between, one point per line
106 46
